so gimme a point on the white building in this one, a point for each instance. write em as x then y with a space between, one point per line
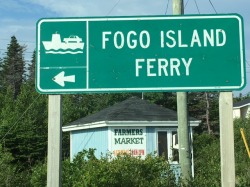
135 126
241 109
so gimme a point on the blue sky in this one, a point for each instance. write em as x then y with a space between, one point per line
19 17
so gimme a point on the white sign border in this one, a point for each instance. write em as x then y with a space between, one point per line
163 89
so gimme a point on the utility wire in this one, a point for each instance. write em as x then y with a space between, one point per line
113 7
247 62
5 50
26 41
212 6
186 4
20 118
197 6
167 8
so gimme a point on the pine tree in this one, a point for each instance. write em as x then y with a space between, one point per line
13 67
1 75
31 129
23 126
31 68
204 106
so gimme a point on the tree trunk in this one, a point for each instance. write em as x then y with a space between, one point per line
207 113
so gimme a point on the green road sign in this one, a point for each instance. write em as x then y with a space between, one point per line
152 53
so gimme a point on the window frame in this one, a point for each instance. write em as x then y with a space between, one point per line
169 143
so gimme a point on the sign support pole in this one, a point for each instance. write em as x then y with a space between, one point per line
54 141
227 140
184 148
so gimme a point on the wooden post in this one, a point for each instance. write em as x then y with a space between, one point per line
227 139
184 147
178 8
54 141
183 136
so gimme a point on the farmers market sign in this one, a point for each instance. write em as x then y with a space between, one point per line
129 140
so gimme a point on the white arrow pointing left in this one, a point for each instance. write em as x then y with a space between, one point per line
61 78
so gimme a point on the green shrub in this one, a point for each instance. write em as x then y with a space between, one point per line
7 169
206 161
242 160
123 170
10 172
39 175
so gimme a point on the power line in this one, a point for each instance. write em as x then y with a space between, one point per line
197 6
113 7
5 51
186 4
25 41
247 62
167 8
212 6
19 118
18 121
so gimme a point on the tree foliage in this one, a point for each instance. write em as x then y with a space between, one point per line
31 69
206 161
124 170
6 165
242 160
205 107
23 135
13 67
207 157
24 126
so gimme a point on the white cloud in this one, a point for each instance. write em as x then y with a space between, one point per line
62 7
102 8
12 5
18 17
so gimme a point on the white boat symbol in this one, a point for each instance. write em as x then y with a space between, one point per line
73 42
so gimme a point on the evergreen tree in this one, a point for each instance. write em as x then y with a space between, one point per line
31 68
241 97
205 107
8 169
31 129
23 126
165 99
1 75
13 67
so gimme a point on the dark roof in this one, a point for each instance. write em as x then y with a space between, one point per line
132 109
242 103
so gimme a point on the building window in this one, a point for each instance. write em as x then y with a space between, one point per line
162 144
175 147
168 146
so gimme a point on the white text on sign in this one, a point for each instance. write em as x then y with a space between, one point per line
170 39
164 67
